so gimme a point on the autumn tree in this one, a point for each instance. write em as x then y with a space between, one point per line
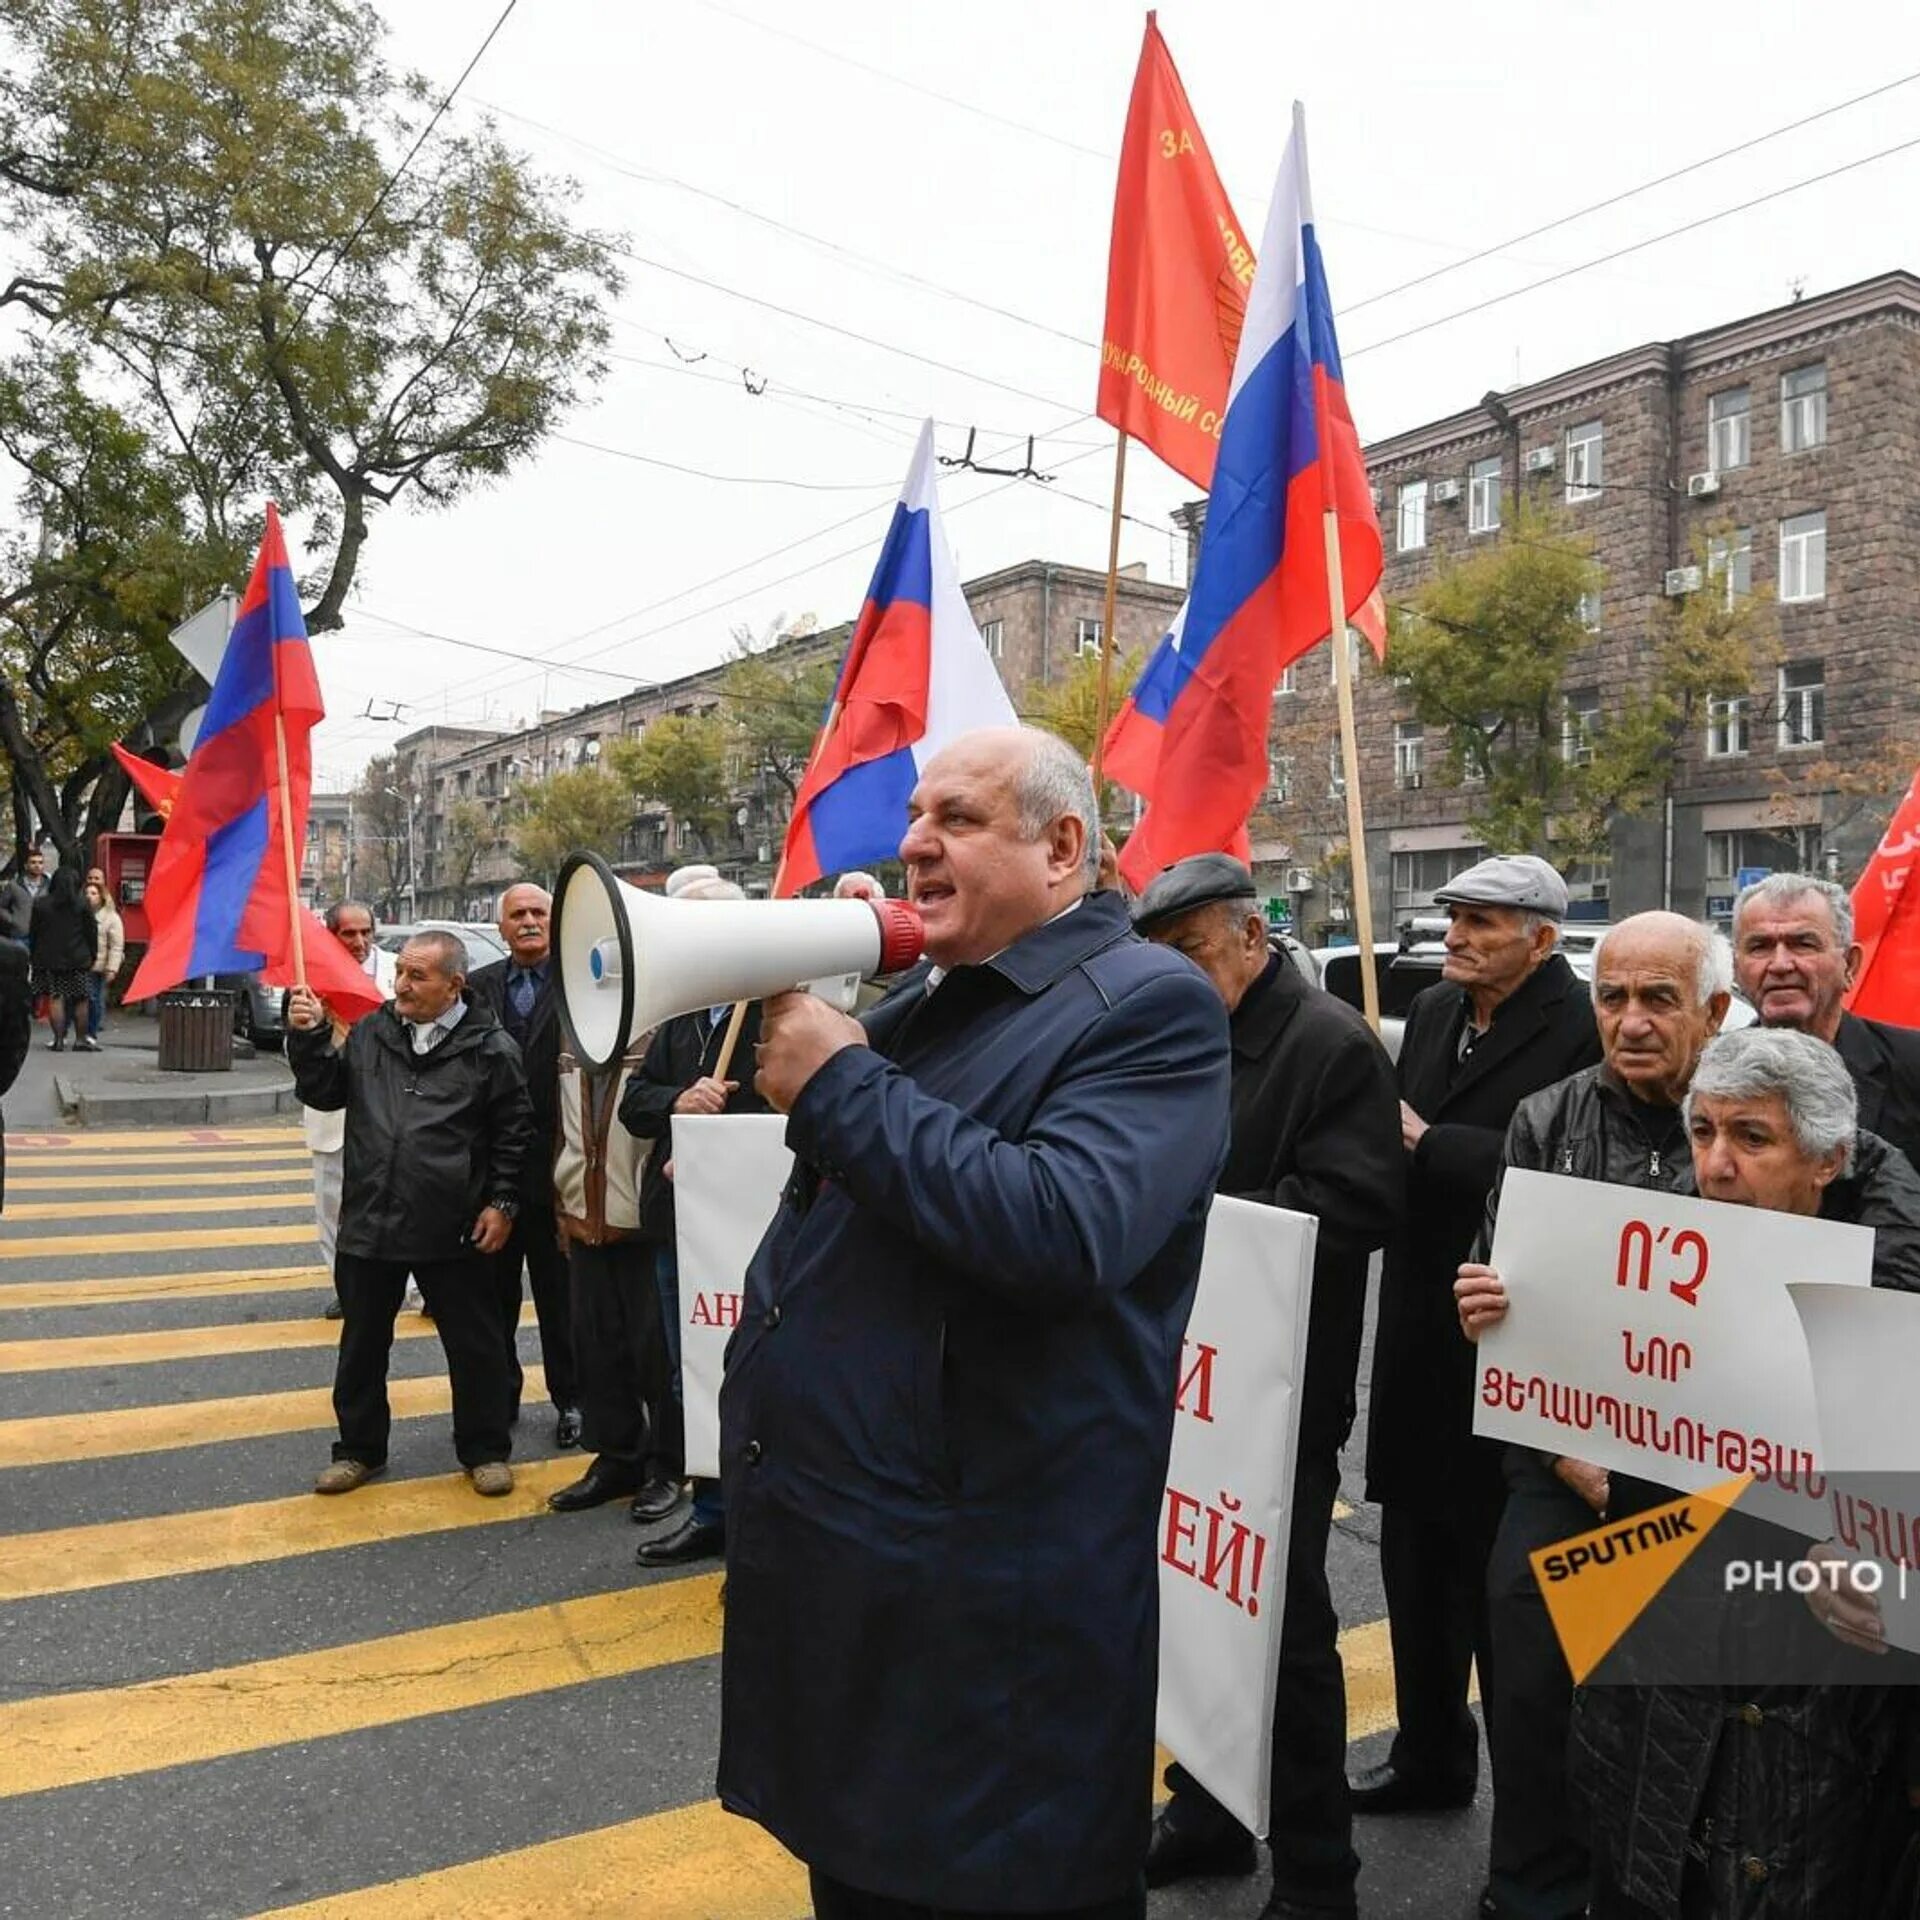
380 835
1070 707
774 699
585 810
681 762
469 832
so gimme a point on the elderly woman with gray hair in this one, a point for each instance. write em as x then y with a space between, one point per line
1762 1800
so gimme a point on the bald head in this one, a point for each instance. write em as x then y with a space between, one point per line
524 912
1661 987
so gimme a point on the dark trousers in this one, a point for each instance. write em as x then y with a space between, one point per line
460 1296
1433 1565
536 1245
1539 1864
1309 1822
834 1900
618 1343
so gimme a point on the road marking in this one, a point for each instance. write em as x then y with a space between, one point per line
113 1552
52 1439
688 1864
28 1141
59 1245
62 1159
160 1344
125 1177
22 1296
111 1732
81 1211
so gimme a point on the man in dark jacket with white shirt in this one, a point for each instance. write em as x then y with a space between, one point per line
438 1125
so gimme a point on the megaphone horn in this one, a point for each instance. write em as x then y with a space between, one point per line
629 960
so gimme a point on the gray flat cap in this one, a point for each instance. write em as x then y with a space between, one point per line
1197 881
1520 880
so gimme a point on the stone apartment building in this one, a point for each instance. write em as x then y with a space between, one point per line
1797 430
1035 619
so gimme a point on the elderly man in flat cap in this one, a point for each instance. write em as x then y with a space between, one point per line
1508 1018
1315 1121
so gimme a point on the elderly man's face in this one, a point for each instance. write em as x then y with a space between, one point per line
1227 945
1791 966
1646 1000
524 913
1489 950
978 881
354 931
1744 1152
423 987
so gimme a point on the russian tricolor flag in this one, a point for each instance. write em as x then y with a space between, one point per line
1288 456
915 677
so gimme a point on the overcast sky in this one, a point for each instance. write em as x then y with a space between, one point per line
870 147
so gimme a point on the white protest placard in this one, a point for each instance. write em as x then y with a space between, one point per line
1224 1516
728 1171
1656 1335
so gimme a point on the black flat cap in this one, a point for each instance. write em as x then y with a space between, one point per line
1197 881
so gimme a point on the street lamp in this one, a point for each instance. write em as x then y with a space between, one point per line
413 899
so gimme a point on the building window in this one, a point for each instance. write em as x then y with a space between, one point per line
1585 473
1803 557
1412 523
1730 557
1803 703
1728 436
1287 681
1756 850
993 636
1579 723
1280 778
1483 495
1336 771
1588 608
1726 727
1409 754
1417 877
1471 747
1086 636
1803 408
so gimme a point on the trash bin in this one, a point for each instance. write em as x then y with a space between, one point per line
196 1030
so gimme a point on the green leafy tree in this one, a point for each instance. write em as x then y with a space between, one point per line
586 810
775 700
469 833
380 835
1070 707
681 763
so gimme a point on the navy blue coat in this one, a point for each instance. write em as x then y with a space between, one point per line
945 1425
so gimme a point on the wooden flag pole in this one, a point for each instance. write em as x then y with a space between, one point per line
286 842
1350 769
1103 707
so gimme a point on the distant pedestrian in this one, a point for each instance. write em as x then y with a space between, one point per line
16 1032
18 895
438 1125
109 951
64 941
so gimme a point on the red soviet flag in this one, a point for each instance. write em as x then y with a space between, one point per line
1886 922
1178 271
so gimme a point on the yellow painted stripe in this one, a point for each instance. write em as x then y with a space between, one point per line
26 1140
112 1732
49 1439
84 1210
71 1559
191 1343
294 1179
690 1864
293 1153
42 1246
23 1296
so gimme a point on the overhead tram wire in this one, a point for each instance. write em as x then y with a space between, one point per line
729 479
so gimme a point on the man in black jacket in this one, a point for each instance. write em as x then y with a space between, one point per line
16 1031
1315 1127
438 1125
1509 1018
520 993
1795 959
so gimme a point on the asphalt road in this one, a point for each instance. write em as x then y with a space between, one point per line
222 1696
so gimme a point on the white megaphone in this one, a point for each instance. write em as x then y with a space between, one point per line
629 960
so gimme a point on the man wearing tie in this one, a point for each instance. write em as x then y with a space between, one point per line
520 992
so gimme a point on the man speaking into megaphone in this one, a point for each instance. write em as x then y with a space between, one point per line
948 1408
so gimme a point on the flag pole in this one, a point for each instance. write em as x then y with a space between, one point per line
1103 706
286 842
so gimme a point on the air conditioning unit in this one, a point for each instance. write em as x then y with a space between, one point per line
1411 782
1444 490
1542 460
1681 580
1703 486
1299 879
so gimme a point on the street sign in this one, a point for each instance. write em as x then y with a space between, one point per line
201 640
1279 912
1720 906
1750 877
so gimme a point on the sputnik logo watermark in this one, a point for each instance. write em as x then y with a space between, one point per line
1815 1574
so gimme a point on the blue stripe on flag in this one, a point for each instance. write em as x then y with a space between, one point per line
862 816
234 853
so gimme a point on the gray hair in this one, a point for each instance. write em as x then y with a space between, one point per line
714 889
1781 890
1811 1079
1714 959
340 907
855 884
1053 781
450 951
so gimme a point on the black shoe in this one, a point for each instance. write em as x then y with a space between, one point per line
335 1309
655 1500
1385 1789
1177 1853
691 1540
566 1430
603 1481
56 1046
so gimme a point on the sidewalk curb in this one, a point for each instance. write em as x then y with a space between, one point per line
190 1104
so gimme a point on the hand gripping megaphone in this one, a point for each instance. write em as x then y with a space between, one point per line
629 960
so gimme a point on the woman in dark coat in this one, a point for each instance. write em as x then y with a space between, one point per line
64 938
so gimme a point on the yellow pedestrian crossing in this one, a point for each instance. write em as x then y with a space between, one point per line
79 1140
81 1211
290 1179
293 1233
22 1296
292 1153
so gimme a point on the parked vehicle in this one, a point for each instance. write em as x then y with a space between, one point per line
256 1008
483 942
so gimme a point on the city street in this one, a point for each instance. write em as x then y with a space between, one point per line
224 1696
